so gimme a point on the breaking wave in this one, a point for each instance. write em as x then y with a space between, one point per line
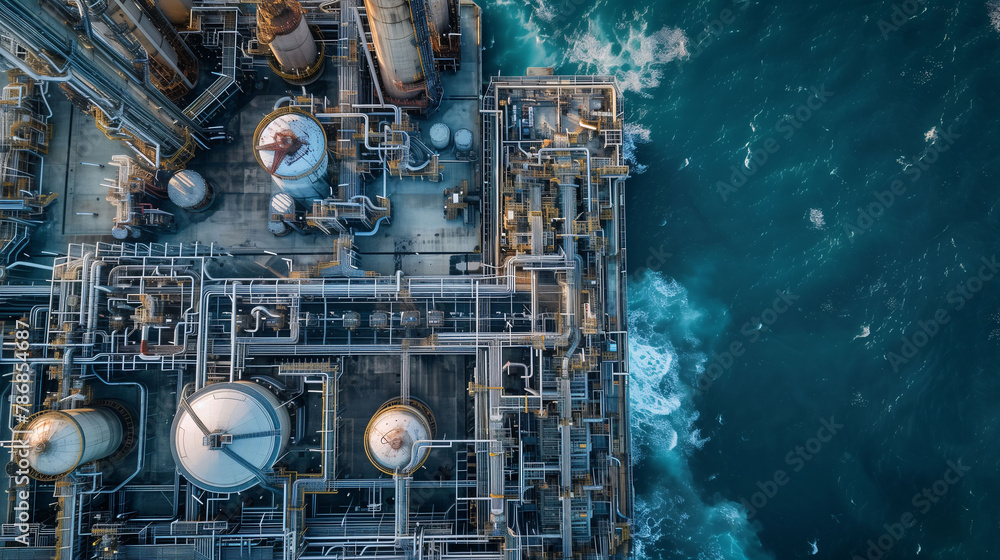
631 52
672 519
633 135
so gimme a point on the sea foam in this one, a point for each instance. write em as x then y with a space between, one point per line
672 519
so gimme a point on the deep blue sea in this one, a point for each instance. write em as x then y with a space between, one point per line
813 225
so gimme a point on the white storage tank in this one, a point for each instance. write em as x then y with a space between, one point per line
291 146
282 208
440 136
59 441
391 436
189 190
227 434
463 141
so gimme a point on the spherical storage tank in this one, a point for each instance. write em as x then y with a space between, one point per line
440 136
189 190
463 141
391 435
244 427
58 441
291 146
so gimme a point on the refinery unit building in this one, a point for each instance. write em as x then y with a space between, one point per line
288 279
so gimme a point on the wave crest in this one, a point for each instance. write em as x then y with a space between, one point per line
632 54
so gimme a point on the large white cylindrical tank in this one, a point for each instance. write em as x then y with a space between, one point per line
280 25
440 136
397 48
228 434
391 436
189 190
463 141
177 11
59 441
291 146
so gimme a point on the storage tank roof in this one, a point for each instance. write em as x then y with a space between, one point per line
391 435
295 138
226 434
55 443
187 188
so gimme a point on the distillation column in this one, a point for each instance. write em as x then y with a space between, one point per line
297 58
405 58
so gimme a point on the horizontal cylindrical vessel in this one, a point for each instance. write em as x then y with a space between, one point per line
400 49
59 441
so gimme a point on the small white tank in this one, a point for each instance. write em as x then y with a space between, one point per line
282 208
189 190
120 233
440 136
463 141
391 436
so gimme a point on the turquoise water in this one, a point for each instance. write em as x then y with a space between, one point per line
812 237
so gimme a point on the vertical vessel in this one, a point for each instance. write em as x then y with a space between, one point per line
297 55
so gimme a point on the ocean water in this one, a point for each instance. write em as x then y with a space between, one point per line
813 225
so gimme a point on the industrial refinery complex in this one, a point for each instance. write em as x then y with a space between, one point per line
290 279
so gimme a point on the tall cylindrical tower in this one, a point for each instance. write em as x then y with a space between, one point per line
227 435
291 145
59 441
298 57
402 44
